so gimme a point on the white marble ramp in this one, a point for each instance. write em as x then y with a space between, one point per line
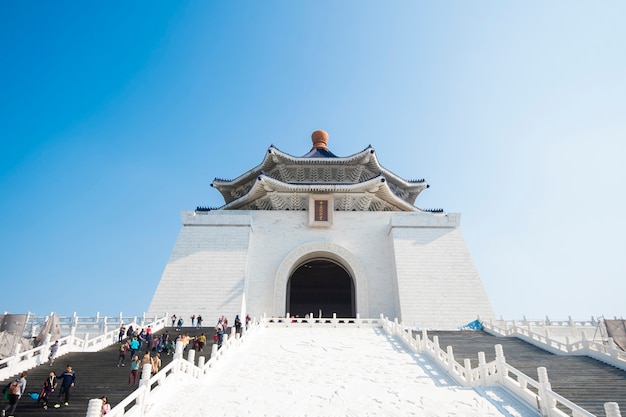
329 372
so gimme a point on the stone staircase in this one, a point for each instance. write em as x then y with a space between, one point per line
582 380
585 381
96 375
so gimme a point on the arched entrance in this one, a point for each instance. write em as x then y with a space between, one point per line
320 285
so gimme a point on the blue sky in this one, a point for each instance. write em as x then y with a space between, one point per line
114 118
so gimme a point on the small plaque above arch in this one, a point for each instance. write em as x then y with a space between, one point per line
320 210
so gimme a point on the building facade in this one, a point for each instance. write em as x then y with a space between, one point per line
322 235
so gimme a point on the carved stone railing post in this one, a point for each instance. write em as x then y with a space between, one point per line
500 361
73 326
546 403
16 358
469 381
178 354
43 355
450 353
201 362
612 410
482 368
144 386
417 343
94 408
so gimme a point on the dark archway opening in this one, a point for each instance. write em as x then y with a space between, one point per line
320 285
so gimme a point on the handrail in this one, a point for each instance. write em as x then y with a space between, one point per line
536 394
22 361
608 353
139 400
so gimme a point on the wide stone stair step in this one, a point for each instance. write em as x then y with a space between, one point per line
585 381
96 375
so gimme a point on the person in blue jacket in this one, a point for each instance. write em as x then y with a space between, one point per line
68 381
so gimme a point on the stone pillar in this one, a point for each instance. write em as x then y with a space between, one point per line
612 410
418 343
450 360
482 367
545 402
94 408
144 386
16 357
468 372
146 373
500 361
73 327
46 350
178 354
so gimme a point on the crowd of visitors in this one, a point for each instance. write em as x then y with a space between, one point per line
132 342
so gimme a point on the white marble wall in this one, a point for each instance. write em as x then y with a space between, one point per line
414 266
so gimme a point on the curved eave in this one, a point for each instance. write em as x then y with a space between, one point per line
269 162
366 157
275 157
265 184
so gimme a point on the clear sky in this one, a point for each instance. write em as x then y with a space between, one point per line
116 116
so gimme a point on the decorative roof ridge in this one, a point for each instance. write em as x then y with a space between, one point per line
268 162
379 178
432 210
336 160
202 209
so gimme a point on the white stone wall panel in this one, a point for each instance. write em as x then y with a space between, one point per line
414 266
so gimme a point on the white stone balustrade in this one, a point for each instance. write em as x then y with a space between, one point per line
562 338
91 342
536 394
139 402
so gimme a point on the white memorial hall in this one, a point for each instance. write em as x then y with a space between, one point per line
321 234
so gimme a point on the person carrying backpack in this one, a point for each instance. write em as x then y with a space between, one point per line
15 391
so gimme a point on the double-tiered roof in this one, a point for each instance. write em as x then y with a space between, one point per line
284 182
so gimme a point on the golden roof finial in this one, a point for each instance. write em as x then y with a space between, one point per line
320 139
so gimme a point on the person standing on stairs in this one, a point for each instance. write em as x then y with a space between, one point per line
48 388
68 380
54 349
124 348
134 371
